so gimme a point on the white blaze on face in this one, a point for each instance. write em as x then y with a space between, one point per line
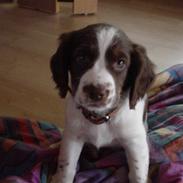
98 74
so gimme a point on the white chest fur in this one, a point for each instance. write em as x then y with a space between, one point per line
101 135
126 124
77 125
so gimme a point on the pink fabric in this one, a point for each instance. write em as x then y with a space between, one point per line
171 173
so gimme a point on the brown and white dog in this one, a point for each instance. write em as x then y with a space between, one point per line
109 76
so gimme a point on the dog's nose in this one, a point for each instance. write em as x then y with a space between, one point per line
96 93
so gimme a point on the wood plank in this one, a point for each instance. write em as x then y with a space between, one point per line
29 38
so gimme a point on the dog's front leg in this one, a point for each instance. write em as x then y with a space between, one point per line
67 163
137 152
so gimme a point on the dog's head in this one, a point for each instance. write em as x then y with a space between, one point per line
101 64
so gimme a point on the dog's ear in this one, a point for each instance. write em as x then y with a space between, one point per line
141 73
60 64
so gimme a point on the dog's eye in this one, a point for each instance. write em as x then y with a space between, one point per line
121 62
81 59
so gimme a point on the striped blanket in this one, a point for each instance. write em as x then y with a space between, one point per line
29 149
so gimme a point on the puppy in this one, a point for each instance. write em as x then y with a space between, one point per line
107 77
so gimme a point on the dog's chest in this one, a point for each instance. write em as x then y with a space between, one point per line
101 135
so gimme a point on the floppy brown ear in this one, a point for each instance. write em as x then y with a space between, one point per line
59 65
141 73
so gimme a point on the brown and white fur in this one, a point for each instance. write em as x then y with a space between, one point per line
105 70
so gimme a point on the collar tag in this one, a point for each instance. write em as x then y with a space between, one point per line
107 118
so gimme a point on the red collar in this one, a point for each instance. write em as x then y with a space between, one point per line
98 119
95 118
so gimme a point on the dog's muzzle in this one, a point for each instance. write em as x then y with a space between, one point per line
96 94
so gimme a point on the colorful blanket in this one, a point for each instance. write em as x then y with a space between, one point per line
29 149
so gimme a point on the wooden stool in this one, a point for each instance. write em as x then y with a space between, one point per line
85 6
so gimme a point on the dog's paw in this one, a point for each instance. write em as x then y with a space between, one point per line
138 181
62 178
56 179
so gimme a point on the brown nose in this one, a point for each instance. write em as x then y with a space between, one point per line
96 93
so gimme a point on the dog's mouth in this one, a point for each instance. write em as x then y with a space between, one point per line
97 118
99 108
99 113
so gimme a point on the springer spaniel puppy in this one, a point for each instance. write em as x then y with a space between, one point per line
107 77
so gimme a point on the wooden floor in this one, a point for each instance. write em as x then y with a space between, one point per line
29 38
